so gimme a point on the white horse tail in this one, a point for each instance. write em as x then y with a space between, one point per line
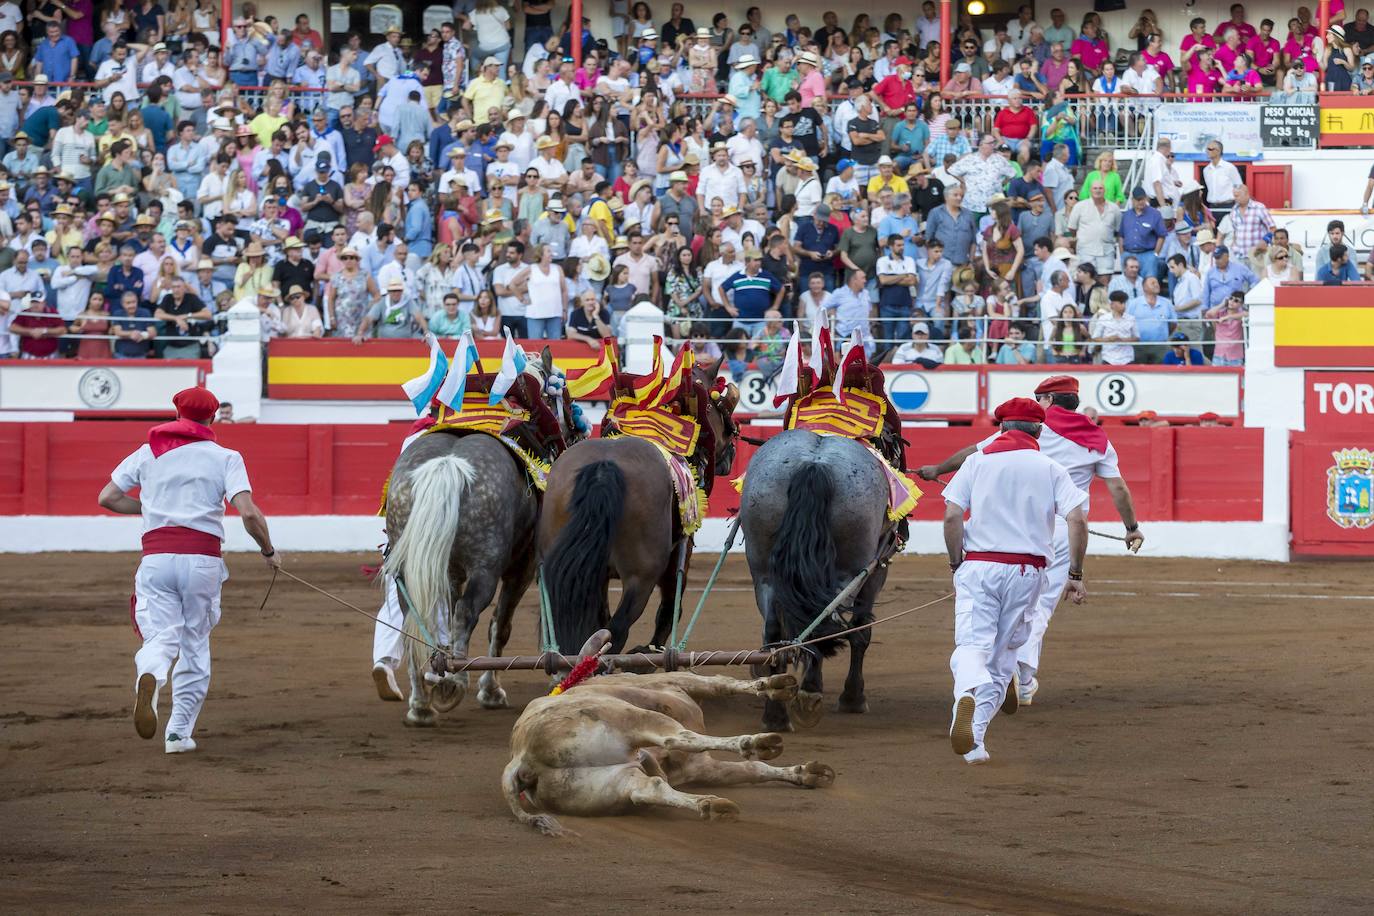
420 556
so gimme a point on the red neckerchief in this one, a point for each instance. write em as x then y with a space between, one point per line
1077 428
1010 441
162 439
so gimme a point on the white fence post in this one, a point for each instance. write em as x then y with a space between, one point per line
642 323
237 373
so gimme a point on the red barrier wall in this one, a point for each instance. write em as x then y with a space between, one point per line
1176 474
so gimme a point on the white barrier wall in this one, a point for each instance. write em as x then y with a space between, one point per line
132 385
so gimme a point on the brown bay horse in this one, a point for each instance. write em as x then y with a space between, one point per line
610 511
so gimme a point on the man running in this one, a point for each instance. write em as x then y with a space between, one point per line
1012 495
1079 446
184 478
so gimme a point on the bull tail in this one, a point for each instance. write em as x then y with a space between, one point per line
515 782
575 568
802 563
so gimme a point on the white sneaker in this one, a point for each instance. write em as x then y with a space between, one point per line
384 676
175 744
978 755
1026 692
145 708
961 731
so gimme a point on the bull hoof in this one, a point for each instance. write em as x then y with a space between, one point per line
549 826
816 775
806 709
421 718
761 747
494 698
851 704
780 687
449 693
715 808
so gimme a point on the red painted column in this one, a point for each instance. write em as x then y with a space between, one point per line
575 23
945 28
226 24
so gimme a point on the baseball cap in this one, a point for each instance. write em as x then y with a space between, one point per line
844 164
1139 194
823 211
1221 250
920 327
962 67
1178 335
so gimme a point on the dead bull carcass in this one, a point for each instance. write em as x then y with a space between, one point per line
623 741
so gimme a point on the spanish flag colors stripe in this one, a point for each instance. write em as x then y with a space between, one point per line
1318 325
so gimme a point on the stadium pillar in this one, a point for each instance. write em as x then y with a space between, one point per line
226 23
945 15
575 23
1323 22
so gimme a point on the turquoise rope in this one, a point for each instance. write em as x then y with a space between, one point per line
710 584
419 621
545 617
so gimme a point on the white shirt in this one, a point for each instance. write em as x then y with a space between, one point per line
126 82
10 17
509 306
808 196
717 272
559 94
998 87
1058 181
583 247
1106 326
1157 169
1082 464
1221 181
736 236
386 59
901 266
185 487
152 70
727 184
1146 82
1019 34
1012 499
1051 304
549 169
744 149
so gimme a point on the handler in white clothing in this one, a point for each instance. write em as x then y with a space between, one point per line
1011 494
1080 446
184 478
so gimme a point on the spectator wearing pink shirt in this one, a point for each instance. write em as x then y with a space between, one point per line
1090 49
1155 56
1229 50
1297 50
1055 66
1207 77
1237 21
1230 331
812 81
1243 78
1264 51
1193 44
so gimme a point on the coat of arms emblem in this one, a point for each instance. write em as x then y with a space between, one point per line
1350 488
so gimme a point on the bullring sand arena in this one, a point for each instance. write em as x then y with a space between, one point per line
1201 745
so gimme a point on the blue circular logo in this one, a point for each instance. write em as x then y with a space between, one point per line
909 391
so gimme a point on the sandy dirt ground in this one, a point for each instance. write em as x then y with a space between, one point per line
1198 746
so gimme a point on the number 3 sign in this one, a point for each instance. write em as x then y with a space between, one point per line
1116 393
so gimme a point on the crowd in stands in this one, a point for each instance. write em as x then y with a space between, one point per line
735 175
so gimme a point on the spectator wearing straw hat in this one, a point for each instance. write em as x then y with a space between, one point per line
395 315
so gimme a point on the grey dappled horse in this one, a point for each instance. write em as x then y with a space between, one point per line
813 512
460 519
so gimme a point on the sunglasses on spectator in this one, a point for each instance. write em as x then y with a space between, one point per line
1280 257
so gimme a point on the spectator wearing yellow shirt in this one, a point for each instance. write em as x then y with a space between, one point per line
269 122
487 91
886 178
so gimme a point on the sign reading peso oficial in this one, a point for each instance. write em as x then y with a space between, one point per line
1288 126
1191 126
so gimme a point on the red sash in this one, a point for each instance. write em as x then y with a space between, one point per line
1010 441
1077 428
175 539
1011 559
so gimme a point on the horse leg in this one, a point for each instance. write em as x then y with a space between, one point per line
852 698
633 598
775 715
667 598
489 691
806 708
467 610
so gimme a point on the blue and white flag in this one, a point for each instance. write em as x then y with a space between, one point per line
422 389
512 365
456 382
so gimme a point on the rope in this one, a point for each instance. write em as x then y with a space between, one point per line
354 607
546 643
873 623
710 584
419 621
1101 534
677 591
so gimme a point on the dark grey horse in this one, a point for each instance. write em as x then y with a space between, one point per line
814 515
460 519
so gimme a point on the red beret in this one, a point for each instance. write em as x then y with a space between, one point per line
1058 384
1023 409
196 404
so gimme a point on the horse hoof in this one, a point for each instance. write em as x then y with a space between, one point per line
448 694
715 808
492 699
807 709
780 687
816 775
761 747
846 704
778 724
421 718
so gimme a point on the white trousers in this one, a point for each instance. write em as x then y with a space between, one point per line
1056 577
993 603
176 605
387 644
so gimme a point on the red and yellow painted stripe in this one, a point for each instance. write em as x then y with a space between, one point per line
337 370
1345 120
1324 326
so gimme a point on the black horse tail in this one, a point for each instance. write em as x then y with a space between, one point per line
575 568
802 564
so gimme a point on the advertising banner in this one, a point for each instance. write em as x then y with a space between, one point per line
1191 126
